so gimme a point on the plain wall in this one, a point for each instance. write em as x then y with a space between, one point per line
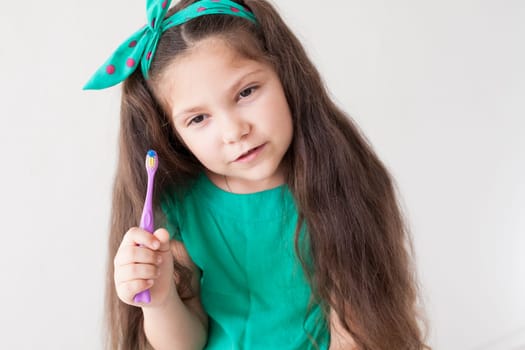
437 87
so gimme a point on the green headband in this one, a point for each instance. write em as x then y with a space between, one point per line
142 44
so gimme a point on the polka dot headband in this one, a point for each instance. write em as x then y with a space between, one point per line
141 46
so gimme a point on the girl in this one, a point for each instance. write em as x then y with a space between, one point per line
283 228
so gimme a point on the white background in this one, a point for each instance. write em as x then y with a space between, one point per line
438 87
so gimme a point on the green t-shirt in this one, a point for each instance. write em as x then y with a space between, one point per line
253 287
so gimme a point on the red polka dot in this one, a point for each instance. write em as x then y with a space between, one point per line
133 43
110 69
234 9
153 23
215 0
148 56
130 62
164 4
200 9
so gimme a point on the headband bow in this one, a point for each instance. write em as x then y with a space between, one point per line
141 46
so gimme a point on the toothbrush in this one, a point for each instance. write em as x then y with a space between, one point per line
146 221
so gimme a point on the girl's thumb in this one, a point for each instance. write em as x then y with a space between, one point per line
164 237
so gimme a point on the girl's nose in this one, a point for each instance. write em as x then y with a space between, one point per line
234 129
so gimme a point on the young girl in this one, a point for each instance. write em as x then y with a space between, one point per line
282 226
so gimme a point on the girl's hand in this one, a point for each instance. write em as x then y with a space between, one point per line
149 266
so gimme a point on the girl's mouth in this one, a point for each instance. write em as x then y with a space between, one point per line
251 154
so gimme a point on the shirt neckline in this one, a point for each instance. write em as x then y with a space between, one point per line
259 205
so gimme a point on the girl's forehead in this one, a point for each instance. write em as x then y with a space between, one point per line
212 49
209 60
208 70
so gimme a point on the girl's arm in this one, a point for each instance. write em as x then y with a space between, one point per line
339 337
179 324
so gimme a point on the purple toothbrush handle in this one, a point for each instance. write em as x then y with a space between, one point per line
143 297
146 223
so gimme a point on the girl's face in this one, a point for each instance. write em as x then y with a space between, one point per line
231 112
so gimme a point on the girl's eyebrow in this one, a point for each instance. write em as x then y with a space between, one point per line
233 87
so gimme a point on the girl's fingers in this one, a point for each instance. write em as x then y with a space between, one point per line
143 260
127 290
137 236
136 254
163 237
130 272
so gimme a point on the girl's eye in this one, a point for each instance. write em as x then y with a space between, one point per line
196 120
247 92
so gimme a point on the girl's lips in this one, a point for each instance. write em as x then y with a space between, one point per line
250 155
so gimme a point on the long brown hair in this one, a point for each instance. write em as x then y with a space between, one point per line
360 258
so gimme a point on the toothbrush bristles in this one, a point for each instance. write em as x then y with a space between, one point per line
151 159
